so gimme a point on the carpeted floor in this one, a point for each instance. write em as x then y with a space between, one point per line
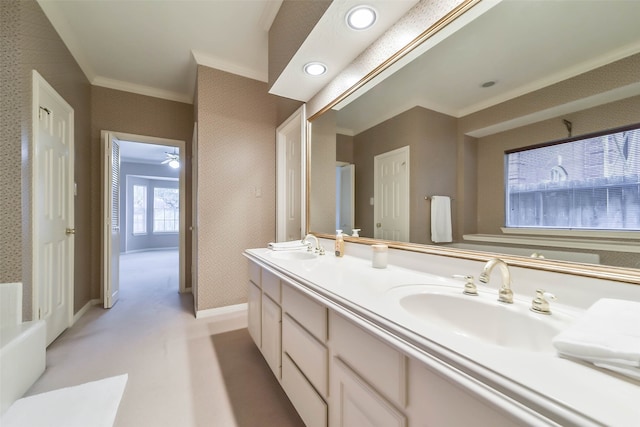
182 371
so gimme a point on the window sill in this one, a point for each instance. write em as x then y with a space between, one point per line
560 239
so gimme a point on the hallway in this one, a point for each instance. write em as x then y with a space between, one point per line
171 357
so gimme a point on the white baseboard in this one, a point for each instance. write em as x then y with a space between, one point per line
227 318
86 308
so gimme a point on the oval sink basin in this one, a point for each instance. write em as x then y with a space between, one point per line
483 318
293 255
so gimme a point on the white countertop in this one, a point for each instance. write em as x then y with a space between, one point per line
561 389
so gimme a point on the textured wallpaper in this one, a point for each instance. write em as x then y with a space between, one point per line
236 182
34 44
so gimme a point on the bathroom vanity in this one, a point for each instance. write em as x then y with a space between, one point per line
356 346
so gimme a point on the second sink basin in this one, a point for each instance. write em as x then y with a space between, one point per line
481 317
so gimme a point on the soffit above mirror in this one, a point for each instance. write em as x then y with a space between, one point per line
334 44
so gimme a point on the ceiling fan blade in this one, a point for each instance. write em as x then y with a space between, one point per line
165 161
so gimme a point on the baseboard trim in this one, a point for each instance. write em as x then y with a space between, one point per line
227 318
86 308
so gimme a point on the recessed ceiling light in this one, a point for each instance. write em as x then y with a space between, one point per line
488 84
361 17
315 68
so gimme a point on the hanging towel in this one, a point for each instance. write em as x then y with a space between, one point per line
288 246
440 219
608 335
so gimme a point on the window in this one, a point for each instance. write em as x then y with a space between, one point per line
591 182
166 210
139 209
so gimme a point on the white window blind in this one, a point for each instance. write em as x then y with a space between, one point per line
591 182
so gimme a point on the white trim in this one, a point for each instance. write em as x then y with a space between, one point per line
591 244
223 313
84 309
142 90
202 58
569 232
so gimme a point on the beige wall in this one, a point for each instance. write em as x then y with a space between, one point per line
431 138
30 42
126 112
236 181
322 188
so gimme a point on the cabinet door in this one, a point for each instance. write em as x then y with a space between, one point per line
355 403
254 313
271 334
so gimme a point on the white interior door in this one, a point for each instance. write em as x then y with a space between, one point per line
290 141
345 203
391 195
53 203
111 220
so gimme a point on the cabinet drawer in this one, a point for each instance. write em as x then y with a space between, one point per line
308 313
311 407
271 285
254 313
378 363
355 403
272 334
308 353
254 273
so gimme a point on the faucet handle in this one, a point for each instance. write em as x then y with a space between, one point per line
470 286
540 303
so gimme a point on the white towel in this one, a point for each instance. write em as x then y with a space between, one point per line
608 335
440 219
288 246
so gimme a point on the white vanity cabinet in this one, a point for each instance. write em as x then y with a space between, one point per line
305 368
271 322
368 378
254 304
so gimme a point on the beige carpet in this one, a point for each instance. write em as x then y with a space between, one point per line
178 376
93 404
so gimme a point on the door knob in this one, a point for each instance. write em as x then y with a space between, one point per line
70 231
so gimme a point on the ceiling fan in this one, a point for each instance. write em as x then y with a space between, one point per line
173 159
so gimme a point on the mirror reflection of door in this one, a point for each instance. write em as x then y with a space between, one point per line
391 195
345 197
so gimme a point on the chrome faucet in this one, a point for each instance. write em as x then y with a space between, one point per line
317 247
505 294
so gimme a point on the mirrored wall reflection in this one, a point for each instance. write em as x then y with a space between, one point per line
497 84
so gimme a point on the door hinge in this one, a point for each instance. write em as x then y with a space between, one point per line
39 314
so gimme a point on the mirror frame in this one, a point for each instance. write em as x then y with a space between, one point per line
596 271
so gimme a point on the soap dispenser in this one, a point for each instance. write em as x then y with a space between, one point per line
339 243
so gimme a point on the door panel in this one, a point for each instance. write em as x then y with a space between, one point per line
391 195
111 218
53 182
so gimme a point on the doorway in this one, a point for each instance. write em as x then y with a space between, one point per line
144 207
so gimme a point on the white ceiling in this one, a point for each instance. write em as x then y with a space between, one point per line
138 152
522 45
151 47
148 46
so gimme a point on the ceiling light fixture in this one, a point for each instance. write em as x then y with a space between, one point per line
361 17
175 164
488 84
315 68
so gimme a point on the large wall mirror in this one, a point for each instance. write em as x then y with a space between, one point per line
504 75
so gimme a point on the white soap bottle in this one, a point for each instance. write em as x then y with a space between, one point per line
339 243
